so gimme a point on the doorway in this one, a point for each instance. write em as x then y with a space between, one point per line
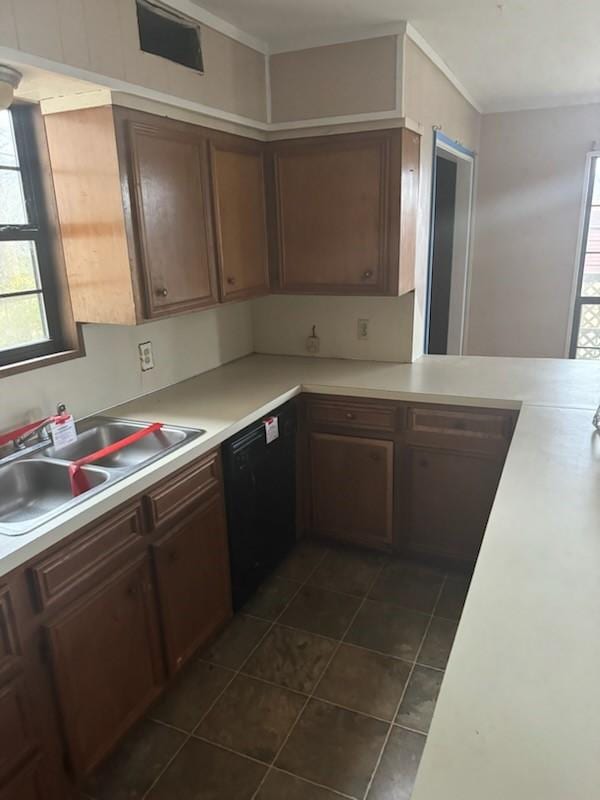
449 248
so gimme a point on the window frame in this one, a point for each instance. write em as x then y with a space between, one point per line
64 338
578 299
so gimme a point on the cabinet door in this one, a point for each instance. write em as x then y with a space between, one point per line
445 501
16 736
238 183
26 785
106 658
351 488
192 568
336 212
169 167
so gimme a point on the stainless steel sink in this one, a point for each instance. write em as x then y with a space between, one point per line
34 488
35 485
96 434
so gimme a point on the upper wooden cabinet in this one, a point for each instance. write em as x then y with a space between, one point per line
343 213
238 182
148 207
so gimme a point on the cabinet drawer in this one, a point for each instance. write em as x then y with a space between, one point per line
16 738
9 643
80 565
176 494
485 430
348 414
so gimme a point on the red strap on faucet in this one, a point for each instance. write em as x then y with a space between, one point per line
78 478
12 436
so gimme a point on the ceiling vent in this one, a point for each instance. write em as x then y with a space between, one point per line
168 35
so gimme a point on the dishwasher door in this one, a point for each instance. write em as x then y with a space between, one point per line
260 492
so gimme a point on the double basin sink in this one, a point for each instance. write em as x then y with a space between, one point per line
35 484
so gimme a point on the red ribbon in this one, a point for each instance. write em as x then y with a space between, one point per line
78 478
12 436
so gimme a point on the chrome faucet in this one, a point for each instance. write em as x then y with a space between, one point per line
41 433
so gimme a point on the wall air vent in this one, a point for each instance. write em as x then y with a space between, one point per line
166 34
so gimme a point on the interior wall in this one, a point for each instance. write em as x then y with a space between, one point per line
530 189
110 373
101 36
282 322
335 80
432 100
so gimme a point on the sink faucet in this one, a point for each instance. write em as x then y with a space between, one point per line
41 432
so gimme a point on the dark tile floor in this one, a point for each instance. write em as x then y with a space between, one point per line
323 687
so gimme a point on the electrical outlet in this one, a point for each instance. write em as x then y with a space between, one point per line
146 357
362 329
313 343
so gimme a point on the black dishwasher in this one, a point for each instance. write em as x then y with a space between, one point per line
260 493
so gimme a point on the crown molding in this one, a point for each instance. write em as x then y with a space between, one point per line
211 20
439 62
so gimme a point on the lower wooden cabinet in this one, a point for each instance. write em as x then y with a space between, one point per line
192 571
17 741
25 785
105 656
351 486
445 500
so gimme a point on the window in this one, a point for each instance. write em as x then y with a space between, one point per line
30 320
585 341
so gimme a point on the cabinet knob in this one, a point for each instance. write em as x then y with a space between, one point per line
368 273
231 281
423 463
172 556
350 415
374 456
162 292
132 590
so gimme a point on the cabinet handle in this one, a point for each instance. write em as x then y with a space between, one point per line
368 273
172 556
162 292
231 281
132 590
375 457
350 415
423 463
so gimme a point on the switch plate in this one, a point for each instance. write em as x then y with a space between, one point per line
362 329
146 356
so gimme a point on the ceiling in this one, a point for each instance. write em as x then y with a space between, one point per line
509 54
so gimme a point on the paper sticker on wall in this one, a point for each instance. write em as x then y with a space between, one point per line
271 429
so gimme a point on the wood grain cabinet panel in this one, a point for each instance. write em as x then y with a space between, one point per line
192 569
336 208
445 501
351 486
238 182
169 172
9 642
360 415
106 661
28 784
17 741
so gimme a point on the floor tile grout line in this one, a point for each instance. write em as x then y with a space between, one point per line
235 674
336 792
391 727
316 686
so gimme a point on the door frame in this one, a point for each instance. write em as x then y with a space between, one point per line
463 235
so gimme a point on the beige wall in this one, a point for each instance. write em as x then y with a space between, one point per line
110 373
430 99
101 36
531 175
335 80
281 324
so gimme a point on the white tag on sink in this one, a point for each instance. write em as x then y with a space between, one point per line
271 429
63 432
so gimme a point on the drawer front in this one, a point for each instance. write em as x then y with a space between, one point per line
80 565
355 415
485 431
178 493
16 738
9 643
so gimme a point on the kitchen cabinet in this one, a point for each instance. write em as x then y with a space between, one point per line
238 189
105 657
351 485
192 569
446 498
170 196
28 784
17 740
343 213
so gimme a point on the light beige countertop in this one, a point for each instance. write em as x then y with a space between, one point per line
518 717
